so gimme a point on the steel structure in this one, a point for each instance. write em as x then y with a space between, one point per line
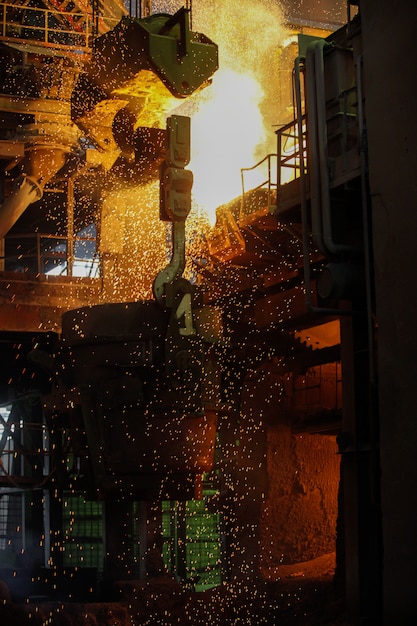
305 269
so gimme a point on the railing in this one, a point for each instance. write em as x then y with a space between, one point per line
268 183
52 28
53 255
289 166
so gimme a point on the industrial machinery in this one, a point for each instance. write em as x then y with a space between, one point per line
124 389
138 370
110 396
316 217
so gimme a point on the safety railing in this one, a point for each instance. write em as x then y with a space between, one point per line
40 253
51 28
289 151
265 171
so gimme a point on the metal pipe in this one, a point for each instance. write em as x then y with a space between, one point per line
303 185
42 162
303 202
313 162
332 247
26 190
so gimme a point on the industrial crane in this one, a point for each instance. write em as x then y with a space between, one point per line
129 410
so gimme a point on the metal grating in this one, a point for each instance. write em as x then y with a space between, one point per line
192 548
83 533
11 528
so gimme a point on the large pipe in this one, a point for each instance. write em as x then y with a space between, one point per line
41 164
25 191
313 149
321 206
303 187
303 202
332 247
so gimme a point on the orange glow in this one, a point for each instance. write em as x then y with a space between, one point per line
232 121
321 336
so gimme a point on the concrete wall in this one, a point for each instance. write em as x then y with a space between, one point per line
285 484
299 520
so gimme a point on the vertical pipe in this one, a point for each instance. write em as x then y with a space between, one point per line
318 47
303 200
303 186
331 247
313 163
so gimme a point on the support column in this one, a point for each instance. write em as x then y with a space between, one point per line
360 474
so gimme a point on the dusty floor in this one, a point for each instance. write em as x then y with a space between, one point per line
289 595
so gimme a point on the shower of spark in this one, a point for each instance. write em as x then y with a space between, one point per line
232 120
225 130
132 232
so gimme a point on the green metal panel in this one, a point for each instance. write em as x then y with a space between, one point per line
83 532
198 565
